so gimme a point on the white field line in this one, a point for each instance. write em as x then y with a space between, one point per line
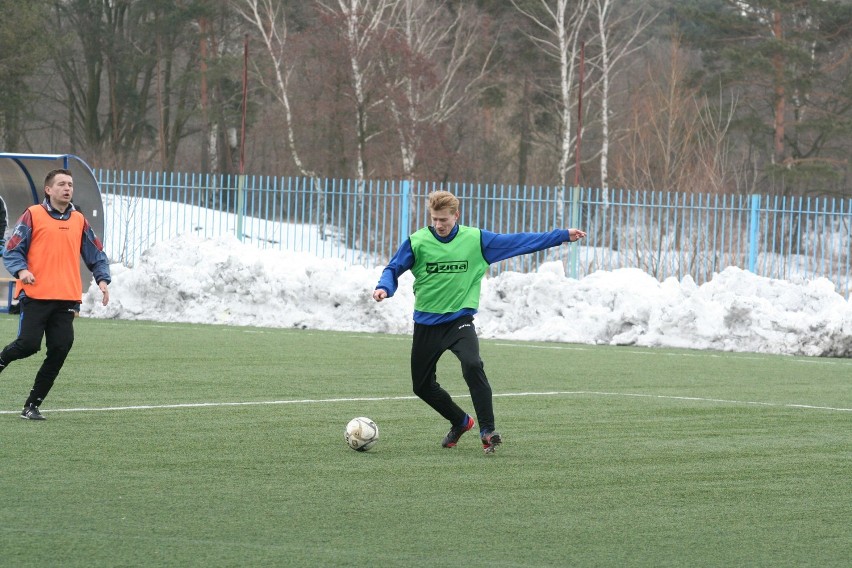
394 398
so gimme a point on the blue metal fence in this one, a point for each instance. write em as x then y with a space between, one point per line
664 234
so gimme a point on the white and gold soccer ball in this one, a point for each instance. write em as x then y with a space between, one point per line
361 434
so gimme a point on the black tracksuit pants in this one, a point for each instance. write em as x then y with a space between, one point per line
432 341
53 320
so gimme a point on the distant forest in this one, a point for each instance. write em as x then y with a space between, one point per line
695 96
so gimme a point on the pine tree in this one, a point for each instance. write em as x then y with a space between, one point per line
788 64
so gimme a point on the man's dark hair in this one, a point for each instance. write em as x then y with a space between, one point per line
48 179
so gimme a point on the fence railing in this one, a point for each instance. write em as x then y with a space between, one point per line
664 234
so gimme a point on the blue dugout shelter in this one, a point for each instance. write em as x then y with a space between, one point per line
22 185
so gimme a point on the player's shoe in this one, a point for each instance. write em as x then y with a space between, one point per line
490 441
31 413
452 437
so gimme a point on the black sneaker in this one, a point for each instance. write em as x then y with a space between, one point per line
452 437
490 441
31 413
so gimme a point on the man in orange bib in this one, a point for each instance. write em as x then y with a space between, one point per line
43 254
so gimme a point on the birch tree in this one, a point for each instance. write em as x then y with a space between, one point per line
269 21
427 77
560 34
365 28
611 53
365 25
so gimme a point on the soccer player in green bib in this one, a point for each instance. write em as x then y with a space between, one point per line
448 262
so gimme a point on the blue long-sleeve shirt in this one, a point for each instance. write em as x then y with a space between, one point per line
91 249
495 247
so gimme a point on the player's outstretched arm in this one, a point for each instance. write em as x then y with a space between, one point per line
500 246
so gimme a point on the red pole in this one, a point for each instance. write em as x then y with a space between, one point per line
245 99
579 115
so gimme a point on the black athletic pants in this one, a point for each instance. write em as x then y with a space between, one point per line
432 341
53 320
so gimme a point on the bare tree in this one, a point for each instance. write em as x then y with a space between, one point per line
365 26
427 77
21 50
560 40
611 53
124 70
676 141
269 21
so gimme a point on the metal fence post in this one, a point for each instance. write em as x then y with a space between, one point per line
241 205
754 220
573 249
405 210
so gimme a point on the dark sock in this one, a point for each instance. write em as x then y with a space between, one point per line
33 401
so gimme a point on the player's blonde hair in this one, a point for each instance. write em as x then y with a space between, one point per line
440 200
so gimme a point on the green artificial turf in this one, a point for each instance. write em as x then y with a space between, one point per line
197 445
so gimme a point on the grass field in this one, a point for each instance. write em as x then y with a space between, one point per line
191 445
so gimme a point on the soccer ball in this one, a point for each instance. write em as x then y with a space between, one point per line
361 434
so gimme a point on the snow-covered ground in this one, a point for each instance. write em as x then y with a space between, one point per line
220 280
